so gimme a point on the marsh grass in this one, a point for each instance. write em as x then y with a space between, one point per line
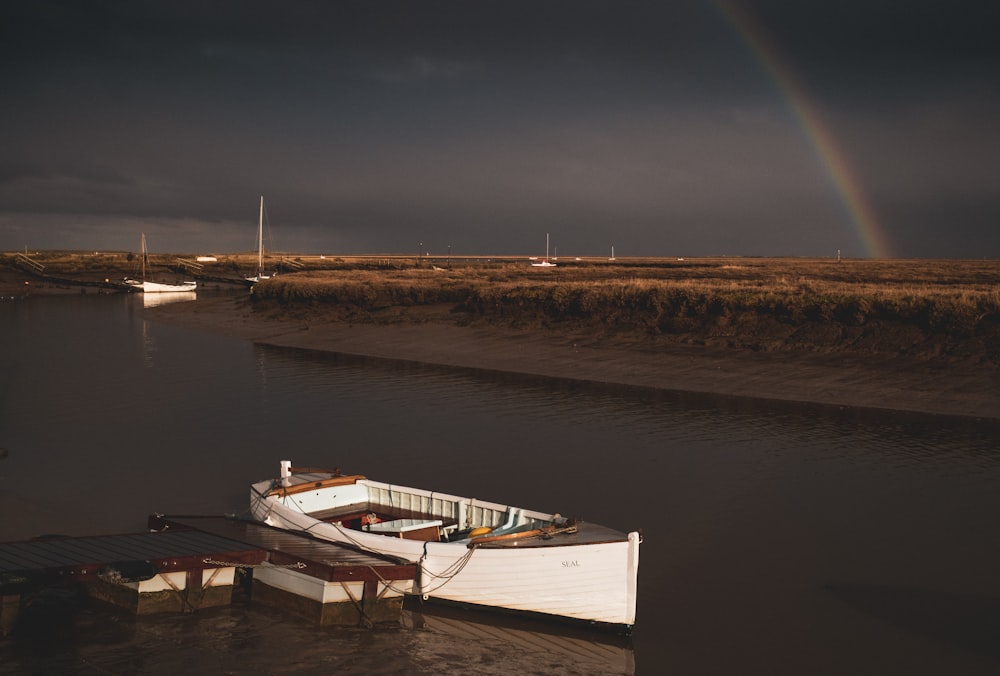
925 308
73 263
918 307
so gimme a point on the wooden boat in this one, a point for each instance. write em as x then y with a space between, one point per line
260 274
470 552
147 286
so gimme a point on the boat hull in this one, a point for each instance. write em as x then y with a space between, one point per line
157 287
564 576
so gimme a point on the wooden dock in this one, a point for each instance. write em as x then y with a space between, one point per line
189 563
325 581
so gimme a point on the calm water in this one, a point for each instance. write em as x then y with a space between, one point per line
778 539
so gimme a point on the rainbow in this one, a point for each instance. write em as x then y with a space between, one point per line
831 157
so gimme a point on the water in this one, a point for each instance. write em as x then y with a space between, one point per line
777 539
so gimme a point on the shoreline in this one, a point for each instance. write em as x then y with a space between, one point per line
848 380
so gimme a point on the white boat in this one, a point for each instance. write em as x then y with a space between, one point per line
546 262
260 275
470 552
147 286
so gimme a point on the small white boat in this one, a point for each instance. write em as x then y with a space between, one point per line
147 286
546 262
470 552
260 274
159 287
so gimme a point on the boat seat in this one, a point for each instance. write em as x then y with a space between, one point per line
408 529
514 523
513 515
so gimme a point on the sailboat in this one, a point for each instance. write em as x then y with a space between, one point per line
260 248
146 286
544 263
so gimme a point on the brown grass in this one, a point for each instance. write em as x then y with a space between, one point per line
925 308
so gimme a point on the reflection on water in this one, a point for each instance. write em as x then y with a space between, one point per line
519 646
771 531
812 432
166 297
62 632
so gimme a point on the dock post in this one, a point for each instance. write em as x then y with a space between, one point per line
168 591
365 600
10 604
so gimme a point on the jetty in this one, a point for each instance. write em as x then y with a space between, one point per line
188 563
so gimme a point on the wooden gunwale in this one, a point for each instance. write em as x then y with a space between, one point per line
285 491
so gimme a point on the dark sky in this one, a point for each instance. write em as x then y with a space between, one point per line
687 128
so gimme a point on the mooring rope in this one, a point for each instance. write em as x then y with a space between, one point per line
439 580
388 583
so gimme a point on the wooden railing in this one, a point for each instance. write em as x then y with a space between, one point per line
25 261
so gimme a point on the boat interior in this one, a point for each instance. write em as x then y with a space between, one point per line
416 514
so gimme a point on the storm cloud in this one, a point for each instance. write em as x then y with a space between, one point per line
659 128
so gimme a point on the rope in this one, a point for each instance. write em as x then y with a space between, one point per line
263 496
446 575
365 620
388 583
181 595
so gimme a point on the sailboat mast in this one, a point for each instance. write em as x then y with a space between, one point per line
260 238
142 268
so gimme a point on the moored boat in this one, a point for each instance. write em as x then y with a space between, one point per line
160 287
469 551
545 262
147 286
259 274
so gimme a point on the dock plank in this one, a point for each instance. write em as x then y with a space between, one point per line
84 556
180 543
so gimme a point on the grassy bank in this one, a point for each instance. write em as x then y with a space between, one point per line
916 308
921 308
46 272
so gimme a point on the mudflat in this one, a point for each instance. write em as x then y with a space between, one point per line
946 386
907 335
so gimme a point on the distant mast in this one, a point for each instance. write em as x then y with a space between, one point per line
259 275
260 239
545 263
